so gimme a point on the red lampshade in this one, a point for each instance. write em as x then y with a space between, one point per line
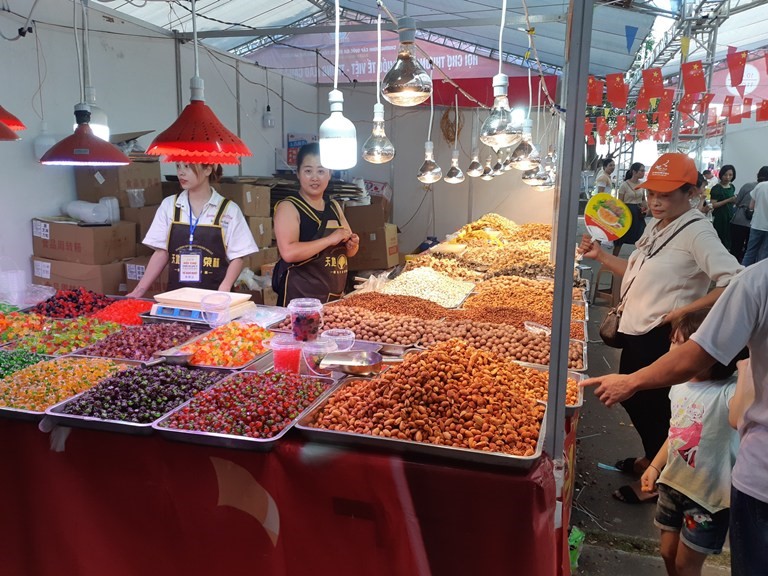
83 148
7 134
198 137
10 120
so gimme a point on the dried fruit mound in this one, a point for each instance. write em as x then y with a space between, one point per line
60 337
18 324
142 342
393 304
249 404
72 303
451 395
15 360
234 344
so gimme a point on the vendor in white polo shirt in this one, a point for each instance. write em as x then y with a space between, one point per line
202 236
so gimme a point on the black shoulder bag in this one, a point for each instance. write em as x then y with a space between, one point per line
609 329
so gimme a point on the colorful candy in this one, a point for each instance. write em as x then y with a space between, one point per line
14 360
72 303
229 346
124 312
142 342
17 325
64 336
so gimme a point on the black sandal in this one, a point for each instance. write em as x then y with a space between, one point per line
627 466
627 495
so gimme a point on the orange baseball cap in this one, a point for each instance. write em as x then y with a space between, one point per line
670 172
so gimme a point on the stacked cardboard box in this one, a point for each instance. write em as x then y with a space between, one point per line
142 219
93 183
378 238
134 270
67 255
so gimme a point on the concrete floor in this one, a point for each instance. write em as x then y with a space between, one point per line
621 538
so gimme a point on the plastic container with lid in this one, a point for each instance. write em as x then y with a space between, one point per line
343 338
215 308
314 352
286 353
306 318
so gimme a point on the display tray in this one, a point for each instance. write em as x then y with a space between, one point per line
569 410
231 440
229 368
546 366
55 415
33 415
583 324
410 447
154 360
578 304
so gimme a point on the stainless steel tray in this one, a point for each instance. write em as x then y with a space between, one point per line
583 323
32 415
569 410
232 440
56 416
410 447
578 304
546 366
229 368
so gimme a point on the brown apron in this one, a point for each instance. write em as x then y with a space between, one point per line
207 242
323 276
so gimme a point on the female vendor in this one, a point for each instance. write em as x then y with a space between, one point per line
313 237
204 235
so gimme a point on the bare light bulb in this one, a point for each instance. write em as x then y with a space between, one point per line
498 130
526 156
487 170
338 138
99 123
535 177
454 175
429 172
498 168
378 149
267 119
406 84
475 169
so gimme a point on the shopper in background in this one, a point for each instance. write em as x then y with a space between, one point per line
313 237
692 471
723 197
634 197
739 318
668 275
757 247
204 236
702 204
603 182
742 217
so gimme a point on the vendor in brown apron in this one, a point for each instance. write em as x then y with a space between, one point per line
198 254
323 276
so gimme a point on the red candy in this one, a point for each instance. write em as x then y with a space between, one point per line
124 312
72 303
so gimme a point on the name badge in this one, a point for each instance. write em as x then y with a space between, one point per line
190 265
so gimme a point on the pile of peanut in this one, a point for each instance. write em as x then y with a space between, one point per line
513 316
430 285
451 395
511 343
445 265
393 304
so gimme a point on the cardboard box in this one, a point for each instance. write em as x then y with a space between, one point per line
142 250
368 218
384 192
261 228
83 244
102 278
94 183
253 200
378 249
142 217
268 269
263 256
269 296
134 271
170 188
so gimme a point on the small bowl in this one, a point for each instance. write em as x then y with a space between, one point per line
344 339
314 352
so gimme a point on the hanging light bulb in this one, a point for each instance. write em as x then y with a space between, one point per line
526 155
338 138
498 130
498 167
475 169
267 119
406 84
547 185
507 161
378 149
487 170
43 141
536 176
429 171
454 175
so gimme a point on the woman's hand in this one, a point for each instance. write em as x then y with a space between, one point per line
672 316
352 242
589 248
339 235
648 479
135 293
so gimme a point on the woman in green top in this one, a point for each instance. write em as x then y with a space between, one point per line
723 196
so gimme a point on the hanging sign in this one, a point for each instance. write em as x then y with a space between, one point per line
607 218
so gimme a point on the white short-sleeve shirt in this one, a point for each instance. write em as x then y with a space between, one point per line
238 239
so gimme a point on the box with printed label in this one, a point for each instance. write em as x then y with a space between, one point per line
134 271
378 249
264 256
142 217
367 218
101 278
261 228
84 244
253 200
93 183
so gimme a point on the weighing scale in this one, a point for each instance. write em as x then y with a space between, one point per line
184 305
192 314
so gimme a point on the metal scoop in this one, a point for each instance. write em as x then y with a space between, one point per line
356 362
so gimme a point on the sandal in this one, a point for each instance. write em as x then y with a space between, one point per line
628 466
628 495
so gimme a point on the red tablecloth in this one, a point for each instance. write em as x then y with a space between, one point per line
118 505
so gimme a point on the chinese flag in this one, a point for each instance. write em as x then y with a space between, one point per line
686 103
704 102
594 92
643 102
727 106
617 90
590 139
668 97
693 77
602 127
653 82
746 108
621 123
641 123
735 116
588 127
736 63
628 137
762 112
664 121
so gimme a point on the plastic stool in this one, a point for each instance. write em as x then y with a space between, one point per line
610 294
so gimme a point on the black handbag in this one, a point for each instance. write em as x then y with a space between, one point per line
609 328
749 213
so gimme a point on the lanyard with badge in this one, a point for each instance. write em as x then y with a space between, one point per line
191 258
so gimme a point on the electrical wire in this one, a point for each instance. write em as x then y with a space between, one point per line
22 31
431 109
336 46
531 31
40 77
501 32
378 58
194 37
77 51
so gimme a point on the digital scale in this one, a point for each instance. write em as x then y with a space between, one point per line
182 314
184 305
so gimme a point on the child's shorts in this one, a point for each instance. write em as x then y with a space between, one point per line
700 530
